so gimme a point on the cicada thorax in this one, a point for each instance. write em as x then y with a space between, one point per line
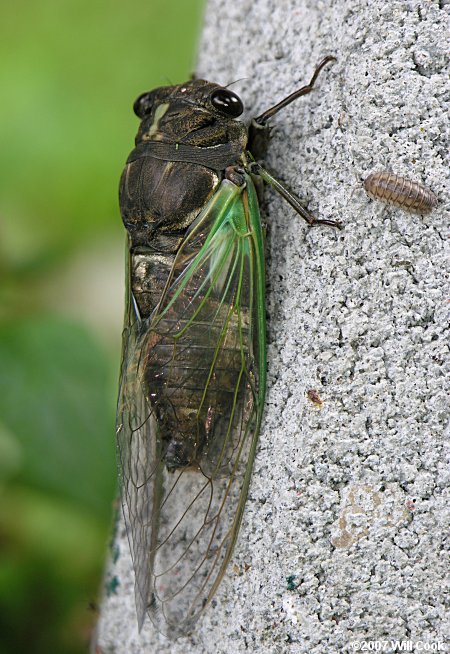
160 199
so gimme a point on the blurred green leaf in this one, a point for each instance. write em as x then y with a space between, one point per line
69 74
49 567
10 454
56 399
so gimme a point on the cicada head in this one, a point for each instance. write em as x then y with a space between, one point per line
197 112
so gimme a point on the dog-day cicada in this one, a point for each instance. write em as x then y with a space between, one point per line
193 377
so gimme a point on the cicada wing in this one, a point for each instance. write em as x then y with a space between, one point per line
140 465
200 367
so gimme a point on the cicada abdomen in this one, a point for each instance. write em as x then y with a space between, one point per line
200 346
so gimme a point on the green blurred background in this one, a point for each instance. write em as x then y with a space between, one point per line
69 73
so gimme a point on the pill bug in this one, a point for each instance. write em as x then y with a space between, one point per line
400 192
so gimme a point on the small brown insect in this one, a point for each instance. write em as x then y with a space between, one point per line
401 192
315 398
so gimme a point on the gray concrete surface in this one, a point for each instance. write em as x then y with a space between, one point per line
343 539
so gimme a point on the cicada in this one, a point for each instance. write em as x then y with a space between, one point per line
193 378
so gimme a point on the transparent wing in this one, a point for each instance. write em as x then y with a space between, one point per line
190 407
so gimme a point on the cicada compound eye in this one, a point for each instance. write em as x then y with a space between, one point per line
143 105
227 102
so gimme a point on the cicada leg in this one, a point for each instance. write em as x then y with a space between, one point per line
304 90
257 169
259 129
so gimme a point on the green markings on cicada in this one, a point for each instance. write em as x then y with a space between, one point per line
210 221
159 113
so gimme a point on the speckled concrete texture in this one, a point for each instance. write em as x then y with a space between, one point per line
343 538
